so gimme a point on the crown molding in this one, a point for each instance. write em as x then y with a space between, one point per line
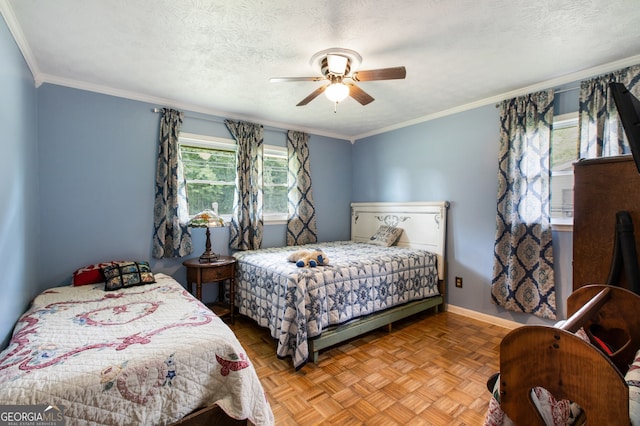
16 31
39 78
164 102
568 78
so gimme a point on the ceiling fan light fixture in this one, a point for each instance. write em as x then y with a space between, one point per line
337 92
353 59
337 64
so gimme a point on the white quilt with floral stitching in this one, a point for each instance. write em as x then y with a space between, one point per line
143 355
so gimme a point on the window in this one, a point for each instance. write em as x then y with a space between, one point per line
274 176
210 172
564 152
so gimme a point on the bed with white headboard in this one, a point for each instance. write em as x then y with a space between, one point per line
424 225
365 285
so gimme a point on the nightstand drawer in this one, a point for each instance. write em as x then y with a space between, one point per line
217 274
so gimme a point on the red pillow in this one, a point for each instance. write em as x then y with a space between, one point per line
90 274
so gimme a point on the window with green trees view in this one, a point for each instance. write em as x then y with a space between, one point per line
210 172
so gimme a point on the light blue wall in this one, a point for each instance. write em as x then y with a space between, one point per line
96 180
97 168
19 260
331 174
455 159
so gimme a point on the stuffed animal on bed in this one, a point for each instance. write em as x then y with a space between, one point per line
310 258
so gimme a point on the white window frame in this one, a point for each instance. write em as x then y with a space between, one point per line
560 121
227 144
280 217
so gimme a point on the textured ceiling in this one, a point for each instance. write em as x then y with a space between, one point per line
216 56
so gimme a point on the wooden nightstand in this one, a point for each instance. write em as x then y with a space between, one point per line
215 272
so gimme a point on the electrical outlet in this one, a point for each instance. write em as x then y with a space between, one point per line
459 282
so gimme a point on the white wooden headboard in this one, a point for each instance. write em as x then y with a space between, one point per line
424 225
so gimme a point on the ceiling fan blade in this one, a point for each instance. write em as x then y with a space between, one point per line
380 74
286 79
313 95
359 95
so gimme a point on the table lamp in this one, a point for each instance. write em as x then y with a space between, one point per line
207 219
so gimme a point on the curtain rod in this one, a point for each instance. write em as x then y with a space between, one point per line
555 92
214 120
568 89
221 120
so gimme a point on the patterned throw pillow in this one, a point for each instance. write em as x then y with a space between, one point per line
386 236
90 274
127 274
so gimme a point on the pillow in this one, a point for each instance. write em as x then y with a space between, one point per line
386 236
90 274
127 274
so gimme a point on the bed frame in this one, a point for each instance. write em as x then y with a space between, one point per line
425 227
567 366
210 416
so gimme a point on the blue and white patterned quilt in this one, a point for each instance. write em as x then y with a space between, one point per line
297 304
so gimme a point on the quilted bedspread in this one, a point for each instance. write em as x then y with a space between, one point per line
144 355
296 304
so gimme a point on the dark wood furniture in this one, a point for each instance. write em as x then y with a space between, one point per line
602 187
569 367
224 269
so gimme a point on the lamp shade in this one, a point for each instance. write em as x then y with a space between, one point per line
206 219
337 92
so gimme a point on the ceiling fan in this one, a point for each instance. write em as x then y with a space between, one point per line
338 67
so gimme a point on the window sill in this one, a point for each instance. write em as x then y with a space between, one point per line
267 220
275 219
562 225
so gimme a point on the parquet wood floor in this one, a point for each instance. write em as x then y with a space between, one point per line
431 369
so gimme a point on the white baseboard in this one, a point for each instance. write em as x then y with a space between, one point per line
483 317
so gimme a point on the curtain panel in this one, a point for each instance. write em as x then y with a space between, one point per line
171 237
301 221
247 222
601 132
523 279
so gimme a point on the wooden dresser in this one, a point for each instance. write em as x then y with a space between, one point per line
602 187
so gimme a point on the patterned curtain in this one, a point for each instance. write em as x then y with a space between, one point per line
301 222
523 257
601 132
246 222
171 237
